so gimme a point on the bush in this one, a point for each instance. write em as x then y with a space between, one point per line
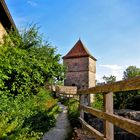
24 69
26 64
73 110
98 101
26 117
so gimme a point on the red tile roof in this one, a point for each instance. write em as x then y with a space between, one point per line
79 50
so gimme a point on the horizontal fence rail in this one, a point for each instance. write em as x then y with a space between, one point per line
91 130
125 85
107 115
124 123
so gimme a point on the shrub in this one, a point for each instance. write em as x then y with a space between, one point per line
26 64
73 110
26 117
24 67
98 101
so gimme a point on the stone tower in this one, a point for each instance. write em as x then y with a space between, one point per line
81 67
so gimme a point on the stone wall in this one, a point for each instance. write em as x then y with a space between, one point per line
91 78
79 79
91 81
91 65
77 72
2 31
76 64
81 73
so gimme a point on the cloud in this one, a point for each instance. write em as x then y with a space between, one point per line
32 3
108 70
113 67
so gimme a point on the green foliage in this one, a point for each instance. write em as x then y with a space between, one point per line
26 64
26 117
109 79
126 99
98 101
73 110
130 72
25 67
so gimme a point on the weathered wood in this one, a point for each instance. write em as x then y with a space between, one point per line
108 108
68 90
125 85
124 123
81 103
96 134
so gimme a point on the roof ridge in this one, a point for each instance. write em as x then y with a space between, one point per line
78 50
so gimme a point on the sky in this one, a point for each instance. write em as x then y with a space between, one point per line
110 29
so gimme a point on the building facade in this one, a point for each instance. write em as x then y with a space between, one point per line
80 67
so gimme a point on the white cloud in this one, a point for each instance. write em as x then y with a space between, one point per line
32 3
108 70
113 67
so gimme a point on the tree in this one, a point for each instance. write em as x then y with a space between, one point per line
27 62
130 72
99 97
109 79
126 99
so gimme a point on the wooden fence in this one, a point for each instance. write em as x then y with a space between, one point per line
107 115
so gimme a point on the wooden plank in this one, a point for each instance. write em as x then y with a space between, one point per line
96 134
108 108
126 85
81 102
124 123
70 90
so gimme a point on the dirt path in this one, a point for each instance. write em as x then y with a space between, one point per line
62 128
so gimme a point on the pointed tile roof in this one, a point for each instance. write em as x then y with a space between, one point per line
79 50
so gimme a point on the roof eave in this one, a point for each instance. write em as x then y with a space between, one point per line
8 14
72 57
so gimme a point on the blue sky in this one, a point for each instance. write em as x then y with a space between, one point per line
110 29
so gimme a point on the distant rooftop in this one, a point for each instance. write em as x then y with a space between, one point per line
79 50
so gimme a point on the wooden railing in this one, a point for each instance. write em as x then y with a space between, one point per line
107 115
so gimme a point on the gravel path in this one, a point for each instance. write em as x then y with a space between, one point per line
62 128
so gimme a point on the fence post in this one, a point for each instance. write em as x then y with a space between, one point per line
108 108
81 103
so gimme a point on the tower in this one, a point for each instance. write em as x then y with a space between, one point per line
80 66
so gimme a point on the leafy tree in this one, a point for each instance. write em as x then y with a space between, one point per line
26 62
109 79
98 103
126 99
130 72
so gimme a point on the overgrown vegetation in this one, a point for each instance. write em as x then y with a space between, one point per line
27 117
73 110
98 101
26 64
